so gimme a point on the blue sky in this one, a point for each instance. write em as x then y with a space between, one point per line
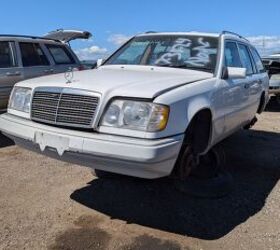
112 22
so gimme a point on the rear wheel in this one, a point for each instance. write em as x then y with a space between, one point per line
251 124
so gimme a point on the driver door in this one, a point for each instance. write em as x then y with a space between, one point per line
236 92
247 63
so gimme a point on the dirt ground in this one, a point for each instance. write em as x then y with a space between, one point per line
47 204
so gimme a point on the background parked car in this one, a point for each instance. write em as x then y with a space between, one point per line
272 64
24 57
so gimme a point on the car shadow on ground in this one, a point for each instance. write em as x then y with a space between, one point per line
273 105
5 141
253 160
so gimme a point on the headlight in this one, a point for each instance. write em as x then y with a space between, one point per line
136 115
20 99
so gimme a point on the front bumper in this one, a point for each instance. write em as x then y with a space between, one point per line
129 156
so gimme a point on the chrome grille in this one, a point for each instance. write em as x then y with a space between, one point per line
62 108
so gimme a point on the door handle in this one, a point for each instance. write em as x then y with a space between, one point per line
246 85
17 73
260 82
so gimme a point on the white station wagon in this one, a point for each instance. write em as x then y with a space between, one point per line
156 107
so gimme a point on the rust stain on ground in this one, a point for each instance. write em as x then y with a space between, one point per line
86 236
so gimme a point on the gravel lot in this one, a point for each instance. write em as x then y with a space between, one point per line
47 204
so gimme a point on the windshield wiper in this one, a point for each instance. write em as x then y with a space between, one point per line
199 68
184 66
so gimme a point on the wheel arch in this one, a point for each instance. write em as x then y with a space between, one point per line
196 133
200 129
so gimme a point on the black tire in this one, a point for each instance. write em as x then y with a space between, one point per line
251 124
208 179
187 163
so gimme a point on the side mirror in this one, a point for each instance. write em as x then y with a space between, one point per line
99 63
234 73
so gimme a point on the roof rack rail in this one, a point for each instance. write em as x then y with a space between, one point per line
235 34
26 36
149 32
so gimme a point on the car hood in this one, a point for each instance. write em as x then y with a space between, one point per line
128 81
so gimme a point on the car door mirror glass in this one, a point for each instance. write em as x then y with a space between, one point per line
236 73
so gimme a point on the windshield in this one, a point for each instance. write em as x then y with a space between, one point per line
189 52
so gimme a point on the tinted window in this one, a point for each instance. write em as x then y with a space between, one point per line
178 51
6 55
257 60
232 58
32 55
245 58
60 54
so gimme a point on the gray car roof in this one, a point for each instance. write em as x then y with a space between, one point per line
24 38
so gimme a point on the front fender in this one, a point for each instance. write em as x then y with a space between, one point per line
182 113
185 102
195 105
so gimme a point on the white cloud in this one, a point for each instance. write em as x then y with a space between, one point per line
118 39
266 45
92 53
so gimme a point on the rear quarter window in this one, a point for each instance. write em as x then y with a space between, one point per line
32 55
245 58
257 60
60 54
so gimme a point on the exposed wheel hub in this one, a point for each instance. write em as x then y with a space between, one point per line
204 166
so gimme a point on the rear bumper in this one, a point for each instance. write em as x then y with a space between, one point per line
129 156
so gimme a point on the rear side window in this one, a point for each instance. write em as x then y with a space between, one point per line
60 54
6 55
32 55
245 59
257 60
232 58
